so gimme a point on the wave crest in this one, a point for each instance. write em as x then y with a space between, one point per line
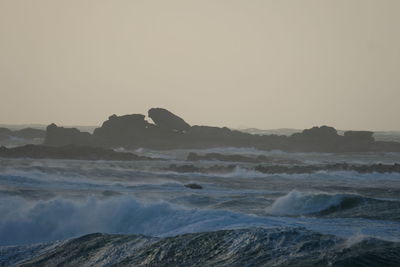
299 203
25 222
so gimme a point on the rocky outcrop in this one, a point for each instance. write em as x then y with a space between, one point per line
362 141
67 152
359 136
316 139
193 186
319 133
127 131
167 120
172 132
60 136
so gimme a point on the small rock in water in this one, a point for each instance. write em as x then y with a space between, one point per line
193 186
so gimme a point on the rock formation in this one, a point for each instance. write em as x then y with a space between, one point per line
127 130
167 120
193 186
172 132
60 136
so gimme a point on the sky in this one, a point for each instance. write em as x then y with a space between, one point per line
249 63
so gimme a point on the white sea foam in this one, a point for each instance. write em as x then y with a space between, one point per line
237 172
309 157
24 222
30 221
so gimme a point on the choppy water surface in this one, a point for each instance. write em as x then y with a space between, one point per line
49 200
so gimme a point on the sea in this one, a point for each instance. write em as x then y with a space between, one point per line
141 213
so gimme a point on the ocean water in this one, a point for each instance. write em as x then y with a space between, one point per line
48 201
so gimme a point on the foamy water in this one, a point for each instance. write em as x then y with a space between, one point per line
48 200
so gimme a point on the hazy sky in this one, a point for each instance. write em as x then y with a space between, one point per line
249 63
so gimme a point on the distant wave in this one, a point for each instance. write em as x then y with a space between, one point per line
237 172
297 203
52 170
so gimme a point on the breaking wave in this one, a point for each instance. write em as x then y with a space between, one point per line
299 203
24 222
27 222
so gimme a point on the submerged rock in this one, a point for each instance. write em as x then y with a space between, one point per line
193 186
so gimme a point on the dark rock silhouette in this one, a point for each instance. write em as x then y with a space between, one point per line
322 138
67 152
60 136
172 132
323 133
167 120
359 136
193 186
128 131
